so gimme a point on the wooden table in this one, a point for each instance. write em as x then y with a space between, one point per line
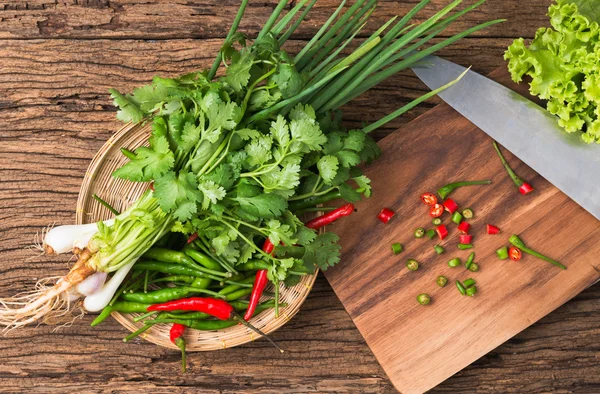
57 61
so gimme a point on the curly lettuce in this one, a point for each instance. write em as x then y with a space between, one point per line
563 63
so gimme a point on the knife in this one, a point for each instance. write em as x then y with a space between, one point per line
521 126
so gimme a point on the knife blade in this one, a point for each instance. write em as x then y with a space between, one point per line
521 126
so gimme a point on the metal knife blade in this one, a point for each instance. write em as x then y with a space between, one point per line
522 127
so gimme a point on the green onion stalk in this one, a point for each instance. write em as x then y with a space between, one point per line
235 158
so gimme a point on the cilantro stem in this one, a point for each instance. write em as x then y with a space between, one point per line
232 30
312 194
216 163
251 89
242 236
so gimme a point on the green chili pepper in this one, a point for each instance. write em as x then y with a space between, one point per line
465 246
397 248
430 233
468 213
412 264
516 241
460 287
502 253
438 249
253 265
203 259
441 281
173 256
172 269
166 294
457 217
455 262
120 306
471 291
423 299
474 267
445 191
231 288
436 221
175 278
469 282
470 260
419 232
238 294
295 206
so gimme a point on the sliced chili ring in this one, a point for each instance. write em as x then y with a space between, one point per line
525 188
514 254
465 239
491 229
429 198
436 210
385 215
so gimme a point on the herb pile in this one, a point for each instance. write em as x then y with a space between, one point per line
237 159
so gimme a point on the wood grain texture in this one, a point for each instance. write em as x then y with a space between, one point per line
57 59
417 346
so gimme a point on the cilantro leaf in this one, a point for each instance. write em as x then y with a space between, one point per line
212 193
280 233
259 150
348 193
288 79
300 112
224 175
129 107
278 272
178 194
280 131
328 167
355 140
364 183
149 163
308 133
238 72
370 151
334 144
150 97
265 206
282 178
323 252
348 158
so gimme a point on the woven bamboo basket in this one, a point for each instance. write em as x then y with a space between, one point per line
121 194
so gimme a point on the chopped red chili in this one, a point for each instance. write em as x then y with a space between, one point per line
464 227
429 198
385 215
441 231
450 205
514 253
491 229
465 239
525 188
436 210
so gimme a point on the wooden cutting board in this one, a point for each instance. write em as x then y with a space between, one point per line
421 346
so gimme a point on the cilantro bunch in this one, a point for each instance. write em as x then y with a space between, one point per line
240 158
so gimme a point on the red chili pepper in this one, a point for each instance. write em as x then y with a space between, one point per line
218 308
450 205
436 210
192 238
152 185
465 239
514 253
334 215
441 231
491 229
525 188
464 227
176 335
429 198
385 215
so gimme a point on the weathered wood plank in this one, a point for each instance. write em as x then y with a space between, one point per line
56 113
175 19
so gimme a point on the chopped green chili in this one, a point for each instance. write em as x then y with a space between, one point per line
423 299
470 260
474 267
455 262
457 217
471 291
461 287
438 249
397 248
502 253
412 264
468 213
465 246
441 281
469 282
436 221
419 232
430 233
